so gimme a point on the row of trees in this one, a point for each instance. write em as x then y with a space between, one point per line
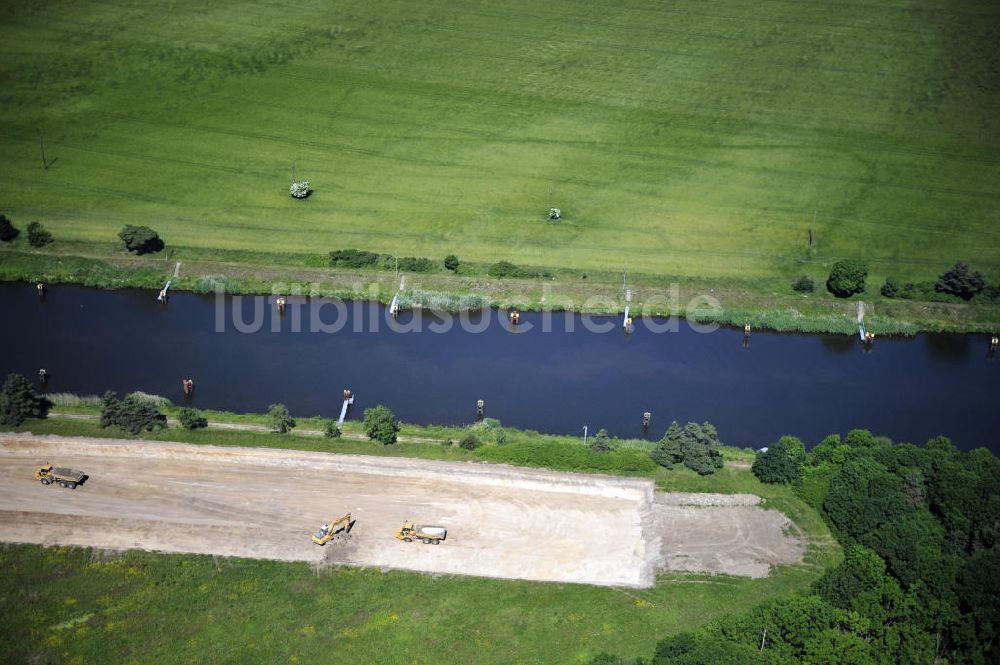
848 277
920 579
38 236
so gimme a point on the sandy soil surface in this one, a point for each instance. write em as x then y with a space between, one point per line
502 521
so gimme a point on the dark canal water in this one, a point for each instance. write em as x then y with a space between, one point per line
808 385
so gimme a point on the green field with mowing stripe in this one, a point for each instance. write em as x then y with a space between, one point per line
679 138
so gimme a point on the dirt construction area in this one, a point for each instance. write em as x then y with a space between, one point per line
263 503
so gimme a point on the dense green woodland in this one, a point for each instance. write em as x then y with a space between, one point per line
920 580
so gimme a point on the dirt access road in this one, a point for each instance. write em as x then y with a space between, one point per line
262 503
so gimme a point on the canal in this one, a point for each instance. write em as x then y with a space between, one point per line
432 369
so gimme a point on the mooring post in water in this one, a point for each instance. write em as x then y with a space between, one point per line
746 329
627 320
188 386
646 417
480 408
41 288
994 341
515 316
280 302
348 400
43 376
163 294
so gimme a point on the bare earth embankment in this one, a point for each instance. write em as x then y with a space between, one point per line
262 503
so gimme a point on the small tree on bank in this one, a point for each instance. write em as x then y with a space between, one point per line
140 239
330 429
280 420
960 281
38 236
782 462
696 446
7 230
601 442
381 424
18 401
451 262
847 277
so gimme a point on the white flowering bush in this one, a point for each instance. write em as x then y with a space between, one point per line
300 190
555 214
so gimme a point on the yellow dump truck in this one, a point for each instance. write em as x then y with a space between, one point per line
48 474
430 535
328 531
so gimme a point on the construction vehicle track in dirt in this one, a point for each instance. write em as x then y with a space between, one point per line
502 521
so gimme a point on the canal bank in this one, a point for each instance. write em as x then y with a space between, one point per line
764 303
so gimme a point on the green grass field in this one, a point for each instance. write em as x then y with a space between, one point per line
683 138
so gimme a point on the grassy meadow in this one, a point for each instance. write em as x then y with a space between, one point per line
682 139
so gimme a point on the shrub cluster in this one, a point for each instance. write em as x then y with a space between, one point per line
352 258
696 446
135 413
568 457
192 418
502 269
803 284
782 462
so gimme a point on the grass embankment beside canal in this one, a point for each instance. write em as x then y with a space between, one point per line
765 303
76 606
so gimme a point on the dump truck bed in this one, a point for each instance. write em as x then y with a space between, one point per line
67 474
431 531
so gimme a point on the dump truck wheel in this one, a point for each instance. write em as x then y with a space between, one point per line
409 540
62 483
45 481
72 486
436 542
427 541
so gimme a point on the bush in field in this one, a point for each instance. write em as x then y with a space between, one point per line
469 442
133 414
415 264
280 420
352 258
38 236
18 401
7 230
330 429
300 190
601 442
847 277
891 288
381 424
960 281
192 418
140 239
502 269
451 262
782 462
803 284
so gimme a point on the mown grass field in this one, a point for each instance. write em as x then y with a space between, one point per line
71 605
684 138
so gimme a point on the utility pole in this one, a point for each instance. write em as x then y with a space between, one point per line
41 145
584 434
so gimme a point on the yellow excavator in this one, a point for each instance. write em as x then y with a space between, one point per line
327 532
